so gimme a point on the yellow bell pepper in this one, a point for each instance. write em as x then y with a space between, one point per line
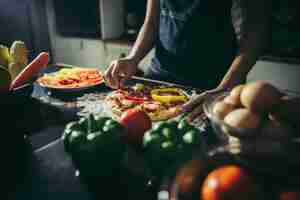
171 95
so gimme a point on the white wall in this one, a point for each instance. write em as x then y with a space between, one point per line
86 52
82 51
283 75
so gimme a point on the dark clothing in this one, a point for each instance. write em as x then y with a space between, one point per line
196 42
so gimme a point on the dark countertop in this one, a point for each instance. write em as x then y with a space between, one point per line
44 171
51 175
47 172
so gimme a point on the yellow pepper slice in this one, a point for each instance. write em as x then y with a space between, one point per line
171 95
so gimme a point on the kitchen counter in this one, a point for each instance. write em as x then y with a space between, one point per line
49 172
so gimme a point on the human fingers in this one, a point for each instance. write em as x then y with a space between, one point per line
116 74
197 112
126 75
108 75
193 102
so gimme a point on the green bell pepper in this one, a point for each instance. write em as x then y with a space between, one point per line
169 143
95 144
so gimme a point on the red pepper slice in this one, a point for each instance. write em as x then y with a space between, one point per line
135 99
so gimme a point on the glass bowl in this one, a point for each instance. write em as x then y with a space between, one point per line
220 127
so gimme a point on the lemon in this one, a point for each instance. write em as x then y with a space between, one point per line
4 56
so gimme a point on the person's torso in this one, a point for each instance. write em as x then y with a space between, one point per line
196 39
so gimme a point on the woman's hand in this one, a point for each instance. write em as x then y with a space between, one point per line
119 71
194 106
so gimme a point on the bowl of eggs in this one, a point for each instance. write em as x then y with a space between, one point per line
248 113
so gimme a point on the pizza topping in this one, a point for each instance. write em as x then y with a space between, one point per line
159 102
151 106
128 103
167 95
139 87
130 94
135 99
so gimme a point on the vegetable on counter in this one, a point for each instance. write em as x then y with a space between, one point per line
31 70
95 145
170 143
229 182
4 56
15 58
136 122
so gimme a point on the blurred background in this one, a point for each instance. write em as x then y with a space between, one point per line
92 33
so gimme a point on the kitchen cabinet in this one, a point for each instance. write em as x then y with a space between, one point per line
90 52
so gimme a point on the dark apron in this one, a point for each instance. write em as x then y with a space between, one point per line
196 42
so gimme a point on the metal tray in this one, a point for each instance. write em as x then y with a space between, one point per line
67 91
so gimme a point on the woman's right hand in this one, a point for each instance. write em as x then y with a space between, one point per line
119 71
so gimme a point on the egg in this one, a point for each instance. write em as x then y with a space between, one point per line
260 96
243 119
276 130
221 109
234 96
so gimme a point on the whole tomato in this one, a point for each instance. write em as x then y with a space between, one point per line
136 123
229 182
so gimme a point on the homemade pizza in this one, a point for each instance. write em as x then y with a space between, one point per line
159 102
71 78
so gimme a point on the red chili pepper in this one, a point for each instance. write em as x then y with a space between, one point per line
135 99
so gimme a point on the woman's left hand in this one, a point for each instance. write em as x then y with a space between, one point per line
194 105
